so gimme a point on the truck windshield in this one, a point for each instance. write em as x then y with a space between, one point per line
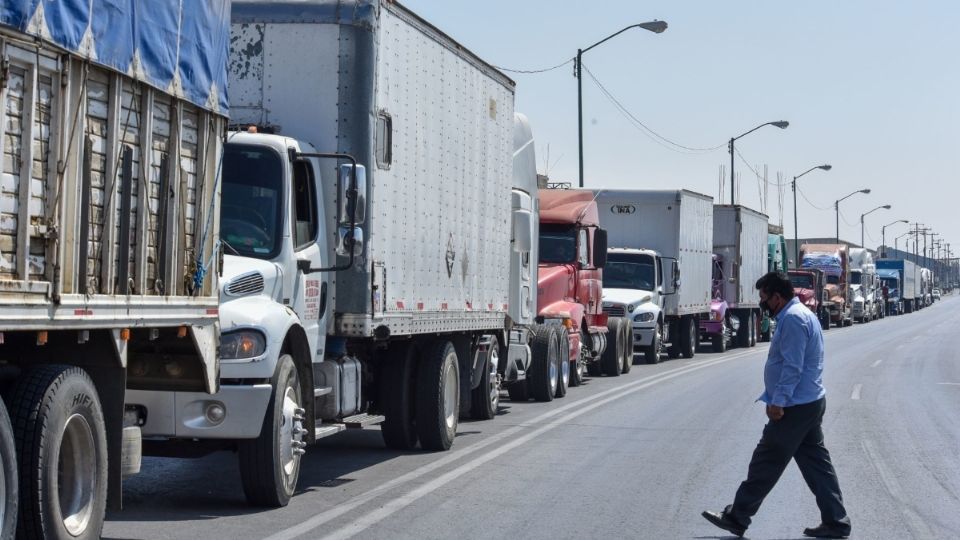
801 281
856 278
558 244
250 214
625 271
833 280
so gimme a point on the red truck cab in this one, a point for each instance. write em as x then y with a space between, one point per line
573 251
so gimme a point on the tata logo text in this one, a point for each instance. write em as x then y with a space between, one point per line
623 209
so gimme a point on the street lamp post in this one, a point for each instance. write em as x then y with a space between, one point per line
782 124
862 241
656 27
836 206
895 248
883 234
796 233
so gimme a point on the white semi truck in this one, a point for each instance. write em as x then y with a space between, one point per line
367 225
865 294
658 271
112 122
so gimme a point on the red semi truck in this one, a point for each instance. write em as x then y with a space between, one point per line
573 251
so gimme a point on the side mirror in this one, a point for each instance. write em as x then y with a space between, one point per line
522 230
352 202
599 248
303 265
347 240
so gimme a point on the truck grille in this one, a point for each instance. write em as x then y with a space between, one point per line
615 310
246 284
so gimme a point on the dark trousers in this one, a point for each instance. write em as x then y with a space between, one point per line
796 436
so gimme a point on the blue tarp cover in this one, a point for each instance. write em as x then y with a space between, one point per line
179 46
827 263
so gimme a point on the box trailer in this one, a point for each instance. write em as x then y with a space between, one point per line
667 238
740 241
910 288
113 120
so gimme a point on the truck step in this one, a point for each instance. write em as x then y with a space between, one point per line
362 420
325 430
322 391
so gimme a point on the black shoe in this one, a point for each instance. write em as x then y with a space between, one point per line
725 522
827 531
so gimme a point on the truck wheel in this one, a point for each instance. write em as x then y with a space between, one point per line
8 477
270 464
438 397
689 333
61 442
593 369
397 391
578 364
518 391
563 359
652 353
825 320
611 361
754 328
485 398
544 366
719 342
627 346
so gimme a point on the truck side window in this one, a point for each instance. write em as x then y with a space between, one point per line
583 248
305 205
384 140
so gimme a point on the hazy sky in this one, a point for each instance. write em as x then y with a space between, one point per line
871 87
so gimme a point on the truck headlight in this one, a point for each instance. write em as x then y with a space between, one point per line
643 317
242 344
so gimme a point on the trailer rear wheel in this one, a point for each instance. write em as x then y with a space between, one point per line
689 333
719 342
611 361
485 398
544 366
270 464
754 328
563 359
8 477
438 397
825 319
397 392
61 442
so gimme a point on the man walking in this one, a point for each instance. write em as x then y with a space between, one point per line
795 398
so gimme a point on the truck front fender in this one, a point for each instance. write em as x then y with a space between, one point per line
266 316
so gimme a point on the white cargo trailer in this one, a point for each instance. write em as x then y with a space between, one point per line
368 224
112 122
671 233
740 241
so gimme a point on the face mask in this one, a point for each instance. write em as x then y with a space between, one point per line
764 305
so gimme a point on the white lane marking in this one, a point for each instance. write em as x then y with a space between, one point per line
877 363
856 391
361 500
914 521
949 383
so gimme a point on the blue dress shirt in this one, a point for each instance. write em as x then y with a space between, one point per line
793 374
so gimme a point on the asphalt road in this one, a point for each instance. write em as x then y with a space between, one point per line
636 456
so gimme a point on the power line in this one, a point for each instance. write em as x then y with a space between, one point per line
844 218
533 71
646 128
800 191
747 163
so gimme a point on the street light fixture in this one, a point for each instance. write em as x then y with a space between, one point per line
796 233
883 234
836 206
782 124
657 27
897 249
884 207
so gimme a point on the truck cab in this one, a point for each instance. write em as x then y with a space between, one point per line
891 291
635 283
809 287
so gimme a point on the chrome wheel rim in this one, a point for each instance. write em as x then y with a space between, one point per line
494 379
565 373
554 371
450 392
76 477
291 432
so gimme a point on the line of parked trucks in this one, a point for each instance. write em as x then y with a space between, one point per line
356 237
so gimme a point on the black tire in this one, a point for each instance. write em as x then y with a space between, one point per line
8 477
438 397
611 361
563 359
397 395
61 442
594 369
652 353
754 328
518 391
485 398
719 342
743 332
689 334
824 319
627 346
577 366
270 464
544 366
